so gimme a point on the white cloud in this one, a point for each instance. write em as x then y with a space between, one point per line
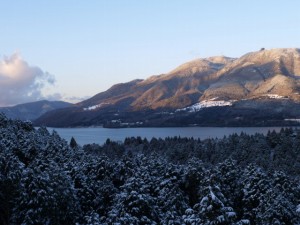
75 99
54 97
20 82
64 97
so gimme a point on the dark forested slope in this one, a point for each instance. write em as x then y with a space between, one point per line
240 179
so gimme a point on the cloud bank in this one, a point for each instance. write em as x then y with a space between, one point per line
20 82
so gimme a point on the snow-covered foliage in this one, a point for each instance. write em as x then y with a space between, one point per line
298 209
239 179
206 104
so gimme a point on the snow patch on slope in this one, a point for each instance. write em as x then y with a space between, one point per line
93 107
206 104
274 96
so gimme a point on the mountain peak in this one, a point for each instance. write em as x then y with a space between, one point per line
220 59
210 64
272 54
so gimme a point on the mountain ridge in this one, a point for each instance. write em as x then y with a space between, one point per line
32 110
255 75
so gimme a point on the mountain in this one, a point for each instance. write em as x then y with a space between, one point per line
249 83
178 88
32 110
274 71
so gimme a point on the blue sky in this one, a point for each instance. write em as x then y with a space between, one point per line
87 46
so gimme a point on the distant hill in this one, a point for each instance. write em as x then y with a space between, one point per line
32 110
256 79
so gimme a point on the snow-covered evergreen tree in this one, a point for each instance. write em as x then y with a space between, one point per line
46 196
240 179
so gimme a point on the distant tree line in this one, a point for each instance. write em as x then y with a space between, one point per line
239 179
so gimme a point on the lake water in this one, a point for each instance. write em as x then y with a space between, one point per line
99 135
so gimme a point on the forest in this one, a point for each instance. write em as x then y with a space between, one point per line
239 179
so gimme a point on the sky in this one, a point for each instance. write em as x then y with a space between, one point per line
73 49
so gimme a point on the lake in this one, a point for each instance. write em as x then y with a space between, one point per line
99 135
